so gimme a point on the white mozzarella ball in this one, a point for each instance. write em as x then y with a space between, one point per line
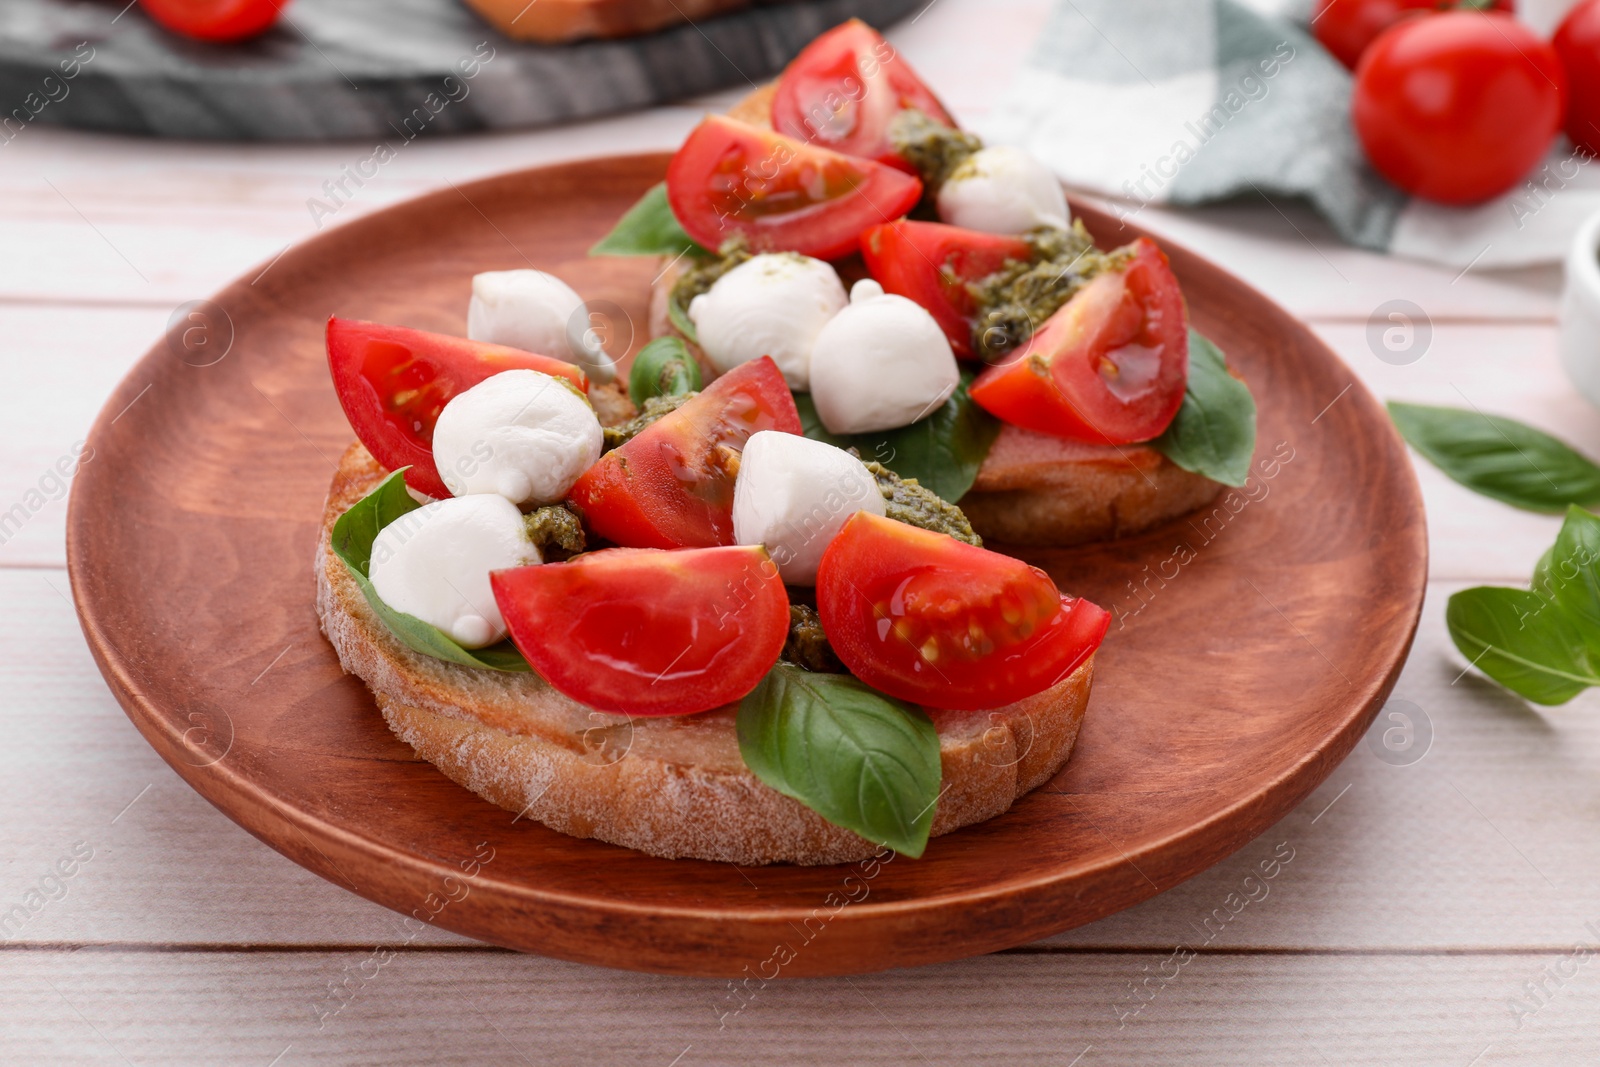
880 363
793 495
770 305
434 563
1003 190
536 312
521 434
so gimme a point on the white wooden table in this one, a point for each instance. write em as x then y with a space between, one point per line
1428 915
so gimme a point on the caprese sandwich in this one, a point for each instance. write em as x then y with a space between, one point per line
931 303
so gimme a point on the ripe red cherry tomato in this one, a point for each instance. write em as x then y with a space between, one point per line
1458 107
1110 366
645 632
1346 27
844 89
1577 42
393 382
926 618
931 263
781 195
215 20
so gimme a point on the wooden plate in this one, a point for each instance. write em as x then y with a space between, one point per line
1253 644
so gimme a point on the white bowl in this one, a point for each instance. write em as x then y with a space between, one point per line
1580 312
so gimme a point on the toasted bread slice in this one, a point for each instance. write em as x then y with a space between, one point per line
556 21
672 787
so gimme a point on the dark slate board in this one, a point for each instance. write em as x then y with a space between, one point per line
359 68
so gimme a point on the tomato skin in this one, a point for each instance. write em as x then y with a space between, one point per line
781 195
393 382
1124 325
639 631
220 21
1458 107
843 90
1347 27
929 619
672 485
931 262
1577 42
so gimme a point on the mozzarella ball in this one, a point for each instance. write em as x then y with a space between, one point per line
770 305
520 434
434 563
536 312
1003 190
880 363
793 495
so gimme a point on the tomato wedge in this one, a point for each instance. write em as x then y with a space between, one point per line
394 381
1109 367
731 179
672 485
926 618
844 89
215 20
931 263
639 631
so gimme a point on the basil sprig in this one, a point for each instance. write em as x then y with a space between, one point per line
1542 643
1500 457
353 535
943 451
663 367
861 760
1214 432
648 228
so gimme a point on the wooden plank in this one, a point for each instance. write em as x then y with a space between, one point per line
1383 856
1070 1010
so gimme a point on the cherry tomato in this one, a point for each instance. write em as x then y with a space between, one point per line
1346 27
1110 366
844 89
1577 42
215 20
672 485
393 382
1458 107
639 631
926 618
931 263
781 195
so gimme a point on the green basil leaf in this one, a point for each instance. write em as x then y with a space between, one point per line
353 535
942 452
648 228
1523 641
1214 432
1499 457
1568 575
663 367
859 759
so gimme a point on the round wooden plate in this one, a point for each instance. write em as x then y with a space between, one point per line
1253 644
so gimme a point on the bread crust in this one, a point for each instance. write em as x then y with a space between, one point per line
557 21
673 787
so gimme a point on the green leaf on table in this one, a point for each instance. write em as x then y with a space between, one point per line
1499 457
1521 640
942 452
1214 432
861 760
353 535
648 228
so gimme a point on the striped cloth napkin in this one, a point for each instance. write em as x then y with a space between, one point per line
1186 102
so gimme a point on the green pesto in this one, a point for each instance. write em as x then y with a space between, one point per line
807 646
556 531
1017 299
700 277
906 500
654 408
933 149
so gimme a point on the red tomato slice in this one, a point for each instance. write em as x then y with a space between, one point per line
644 632
931 263
215 20
1109 367
845 88
672 486
926 618
393 382
781 195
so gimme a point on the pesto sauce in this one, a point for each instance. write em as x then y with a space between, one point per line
807 646
933 149
1016 300
557 532
654 408
906 500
